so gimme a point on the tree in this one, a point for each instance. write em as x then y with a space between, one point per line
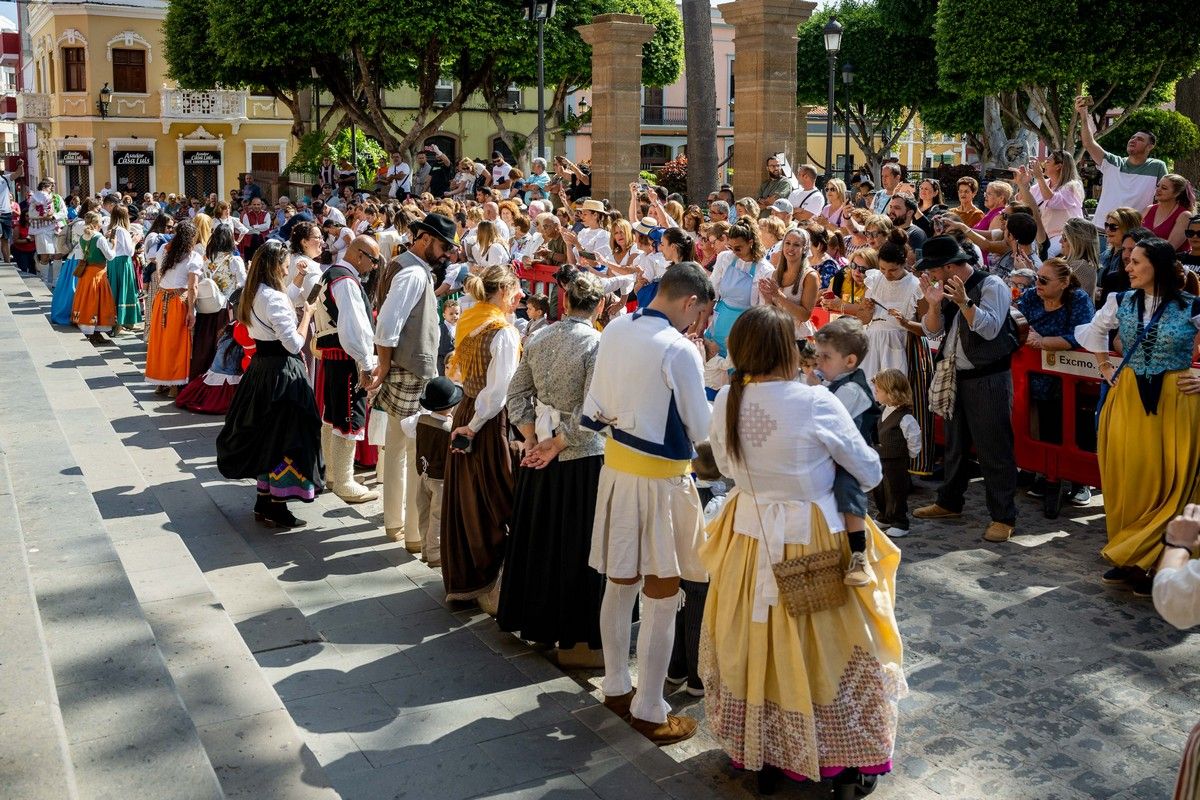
1187 102
701 98
1175 135
1032 63
894 70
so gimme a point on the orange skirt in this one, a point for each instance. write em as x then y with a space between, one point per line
94 309
169 342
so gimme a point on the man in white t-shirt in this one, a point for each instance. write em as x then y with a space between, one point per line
1128 181
491 212
500 172
807 201
398 177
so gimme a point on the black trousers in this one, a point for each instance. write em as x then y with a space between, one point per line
983 419
685 655
891 495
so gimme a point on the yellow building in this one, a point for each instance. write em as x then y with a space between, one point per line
102 112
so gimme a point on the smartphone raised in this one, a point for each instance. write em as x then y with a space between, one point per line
315 294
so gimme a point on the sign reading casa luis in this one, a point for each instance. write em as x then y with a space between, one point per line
133 158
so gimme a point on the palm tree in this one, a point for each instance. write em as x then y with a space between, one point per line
701 99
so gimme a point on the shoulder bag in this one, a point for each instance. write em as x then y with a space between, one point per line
943 386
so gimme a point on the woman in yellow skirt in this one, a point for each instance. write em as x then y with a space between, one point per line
169 345
1150 422
94 310
814 695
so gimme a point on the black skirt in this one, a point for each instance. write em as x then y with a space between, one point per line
549 593
273 416
205 335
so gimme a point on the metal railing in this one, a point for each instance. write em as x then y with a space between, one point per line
33 107
210 104
664 115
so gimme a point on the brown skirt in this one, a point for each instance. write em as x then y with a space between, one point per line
476 507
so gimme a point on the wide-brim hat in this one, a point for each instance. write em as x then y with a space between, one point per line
592 205
438 226
440 394
646 226
940 251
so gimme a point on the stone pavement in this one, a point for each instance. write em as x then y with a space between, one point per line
1029 679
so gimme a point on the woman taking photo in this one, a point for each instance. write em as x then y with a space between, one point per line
121 279
736 277
272 431
477 501
795 284
1057 194
1168 216
893 296
169 343
227 270
775 671
93 309
550 593
1150 421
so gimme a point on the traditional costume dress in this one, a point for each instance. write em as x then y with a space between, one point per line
344 339
736 284
887 339
813 694
649 520
549 593
478 495
407 323
93 310
47 216
256 225
64 288
169 343
272 431
298 263
1148 428
228 271
122 281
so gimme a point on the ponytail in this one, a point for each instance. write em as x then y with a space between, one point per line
733 413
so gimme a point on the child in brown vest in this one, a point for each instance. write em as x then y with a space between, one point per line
431 429
899 441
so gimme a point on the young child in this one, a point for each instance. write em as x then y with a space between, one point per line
841 346
808 363
431 429
899 441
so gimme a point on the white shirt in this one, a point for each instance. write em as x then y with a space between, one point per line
261 227
389 240
1093 336
594 240
502 229
653 265
762 269
409 286
855 400
334 213
506 352
339 241
810 200
786 469
106 250
399 179
312 273
500 173
910 428
122 243
354 327
523 247
177 276
274 319
496 254
1177 594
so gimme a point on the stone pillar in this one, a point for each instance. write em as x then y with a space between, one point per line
764 70
616 41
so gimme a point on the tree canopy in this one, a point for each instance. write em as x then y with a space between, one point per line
1175 135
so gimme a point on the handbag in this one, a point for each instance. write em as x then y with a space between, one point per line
80 268
1137 342
807 584
209 299
943 386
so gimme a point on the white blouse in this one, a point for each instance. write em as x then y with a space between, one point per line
122 242
786 468
653 265
902 295
177 276
506 352
1093 336
496 254
595 241
312 273
1177 594
274 319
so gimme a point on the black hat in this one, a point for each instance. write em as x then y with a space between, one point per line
440 394
940 251
438 226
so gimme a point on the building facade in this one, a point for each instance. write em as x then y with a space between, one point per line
98 110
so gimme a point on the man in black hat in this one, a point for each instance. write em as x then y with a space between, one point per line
972 309
406 340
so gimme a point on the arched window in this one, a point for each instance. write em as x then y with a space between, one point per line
499 145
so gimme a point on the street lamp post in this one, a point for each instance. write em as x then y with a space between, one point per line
102 103
847 79
539 11
833 44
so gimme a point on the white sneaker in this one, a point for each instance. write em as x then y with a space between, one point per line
859 572
896 533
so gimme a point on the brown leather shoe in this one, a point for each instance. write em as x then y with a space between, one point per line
619 704
934 511
675 729
998 532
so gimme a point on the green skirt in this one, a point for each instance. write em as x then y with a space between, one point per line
124 290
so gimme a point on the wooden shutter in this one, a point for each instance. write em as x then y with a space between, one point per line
74 70
129 71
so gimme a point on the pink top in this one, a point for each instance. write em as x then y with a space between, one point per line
1063 203
1163 229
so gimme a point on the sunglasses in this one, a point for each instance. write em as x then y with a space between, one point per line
1191 234
1112 227
1043 280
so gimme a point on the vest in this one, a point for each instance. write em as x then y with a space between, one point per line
417 350
329 338
892 444
1169 347
474 357
987 356
433 445
868 421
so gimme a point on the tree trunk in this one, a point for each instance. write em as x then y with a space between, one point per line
1187 102
701 99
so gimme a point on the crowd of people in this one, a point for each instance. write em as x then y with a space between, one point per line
628 439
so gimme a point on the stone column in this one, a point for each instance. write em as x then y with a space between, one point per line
764 71
616 41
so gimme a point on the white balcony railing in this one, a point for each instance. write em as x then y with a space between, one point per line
32 107
213 104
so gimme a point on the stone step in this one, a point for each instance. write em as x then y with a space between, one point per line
35 761
192 572
127 730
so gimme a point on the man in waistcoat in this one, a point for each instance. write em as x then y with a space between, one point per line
406 339
348 364
971 308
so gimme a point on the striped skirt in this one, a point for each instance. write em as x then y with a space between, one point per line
920 373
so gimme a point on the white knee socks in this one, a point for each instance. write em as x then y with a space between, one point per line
616 628
655 640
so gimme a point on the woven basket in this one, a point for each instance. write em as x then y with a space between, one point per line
811 583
